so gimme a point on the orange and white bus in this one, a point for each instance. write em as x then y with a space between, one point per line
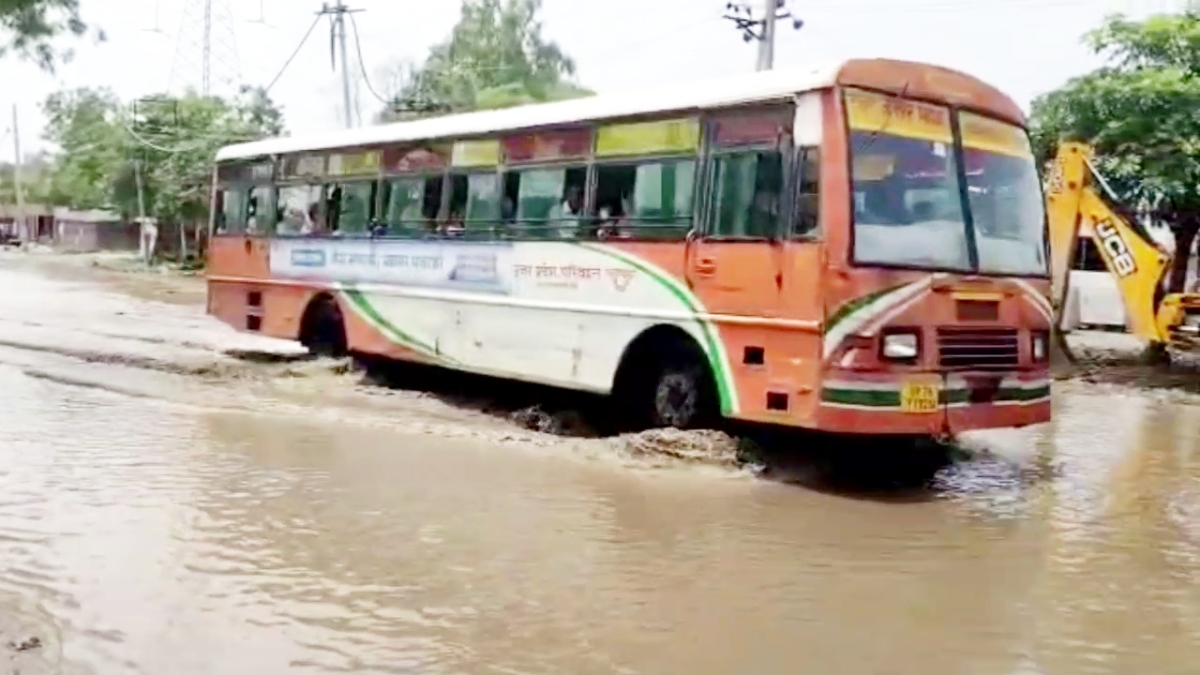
854 248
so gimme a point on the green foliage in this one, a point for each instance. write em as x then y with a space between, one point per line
102 142
495 57
32 25
1139 110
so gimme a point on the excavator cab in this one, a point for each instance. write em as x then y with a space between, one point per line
1078 201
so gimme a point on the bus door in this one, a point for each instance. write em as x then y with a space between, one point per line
756 263
735 264
734 258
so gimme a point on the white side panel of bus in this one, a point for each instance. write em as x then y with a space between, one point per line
556 313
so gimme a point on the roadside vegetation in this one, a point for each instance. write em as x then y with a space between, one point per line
494 57
1139 112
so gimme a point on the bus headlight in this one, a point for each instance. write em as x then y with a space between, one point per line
1039 345
900 346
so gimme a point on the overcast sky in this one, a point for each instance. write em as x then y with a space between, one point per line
1025 47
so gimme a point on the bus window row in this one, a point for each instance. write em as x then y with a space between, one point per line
655 200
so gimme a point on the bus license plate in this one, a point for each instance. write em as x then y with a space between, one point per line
919 398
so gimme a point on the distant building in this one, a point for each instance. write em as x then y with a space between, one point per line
39 217
93 230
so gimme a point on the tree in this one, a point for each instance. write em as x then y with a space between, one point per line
84 124
103 144
32 26
495 57
1139 112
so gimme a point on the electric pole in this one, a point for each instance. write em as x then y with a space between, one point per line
761 29
766 46
338 13
19 219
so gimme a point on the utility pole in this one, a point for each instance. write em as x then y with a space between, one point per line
764 29
766 46
141 188
339 11
19 216
206 54
341 20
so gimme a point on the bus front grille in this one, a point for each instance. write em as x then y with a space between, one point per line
978 348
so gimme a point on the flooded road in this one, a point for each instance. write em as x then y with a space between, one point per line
168 508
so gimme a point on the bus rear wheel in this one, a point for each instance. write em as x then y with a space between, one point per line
664 381
679 397
322 330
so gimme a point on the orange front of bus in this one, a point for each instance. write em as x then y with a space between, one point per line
937 300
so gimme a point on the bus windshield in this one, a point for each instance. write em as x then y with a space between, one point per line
908 206
1005 197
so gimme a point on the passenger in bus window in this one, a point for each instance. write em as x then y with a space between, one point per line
612 219
566 215
312 216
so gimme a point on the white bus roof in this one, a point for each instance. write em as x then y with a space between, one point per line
739 89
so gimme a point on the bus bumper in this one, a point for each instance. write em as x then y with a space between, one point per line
933 404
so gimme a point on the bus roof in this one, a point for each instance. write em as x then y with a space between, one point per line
913 79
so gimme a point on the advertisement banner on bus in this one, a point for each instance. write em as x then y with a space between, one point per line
450 266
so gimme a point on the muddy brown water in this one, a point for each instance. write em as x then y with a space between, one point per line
168 508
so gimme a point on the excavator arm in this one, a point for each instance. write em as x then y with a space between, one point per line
1079 201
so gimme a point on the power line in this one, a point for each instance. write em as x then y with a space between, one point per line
363 64
295 53
337 25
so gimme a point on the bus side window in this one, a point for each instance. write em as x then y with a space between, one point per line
231 219
258 206
614 200
545 203
808 192
474 204
352 211
747 191
300 210
650 200
411 205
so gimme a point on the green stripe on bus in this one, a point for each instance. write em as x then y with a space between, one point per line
716 354
364 307
890 398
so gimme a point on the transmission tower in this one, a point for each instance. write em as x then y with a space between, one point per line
206 58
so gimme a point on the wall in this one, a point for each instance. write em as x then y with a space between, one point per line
84 236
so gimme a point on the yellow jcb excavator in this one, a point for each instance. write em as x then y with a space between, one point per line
1078 201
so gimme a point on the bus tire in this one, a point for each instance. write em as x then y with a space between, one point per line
665 381
322 329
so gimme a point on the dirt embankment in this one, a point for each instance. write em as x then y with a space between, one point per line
123 272
1117 359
